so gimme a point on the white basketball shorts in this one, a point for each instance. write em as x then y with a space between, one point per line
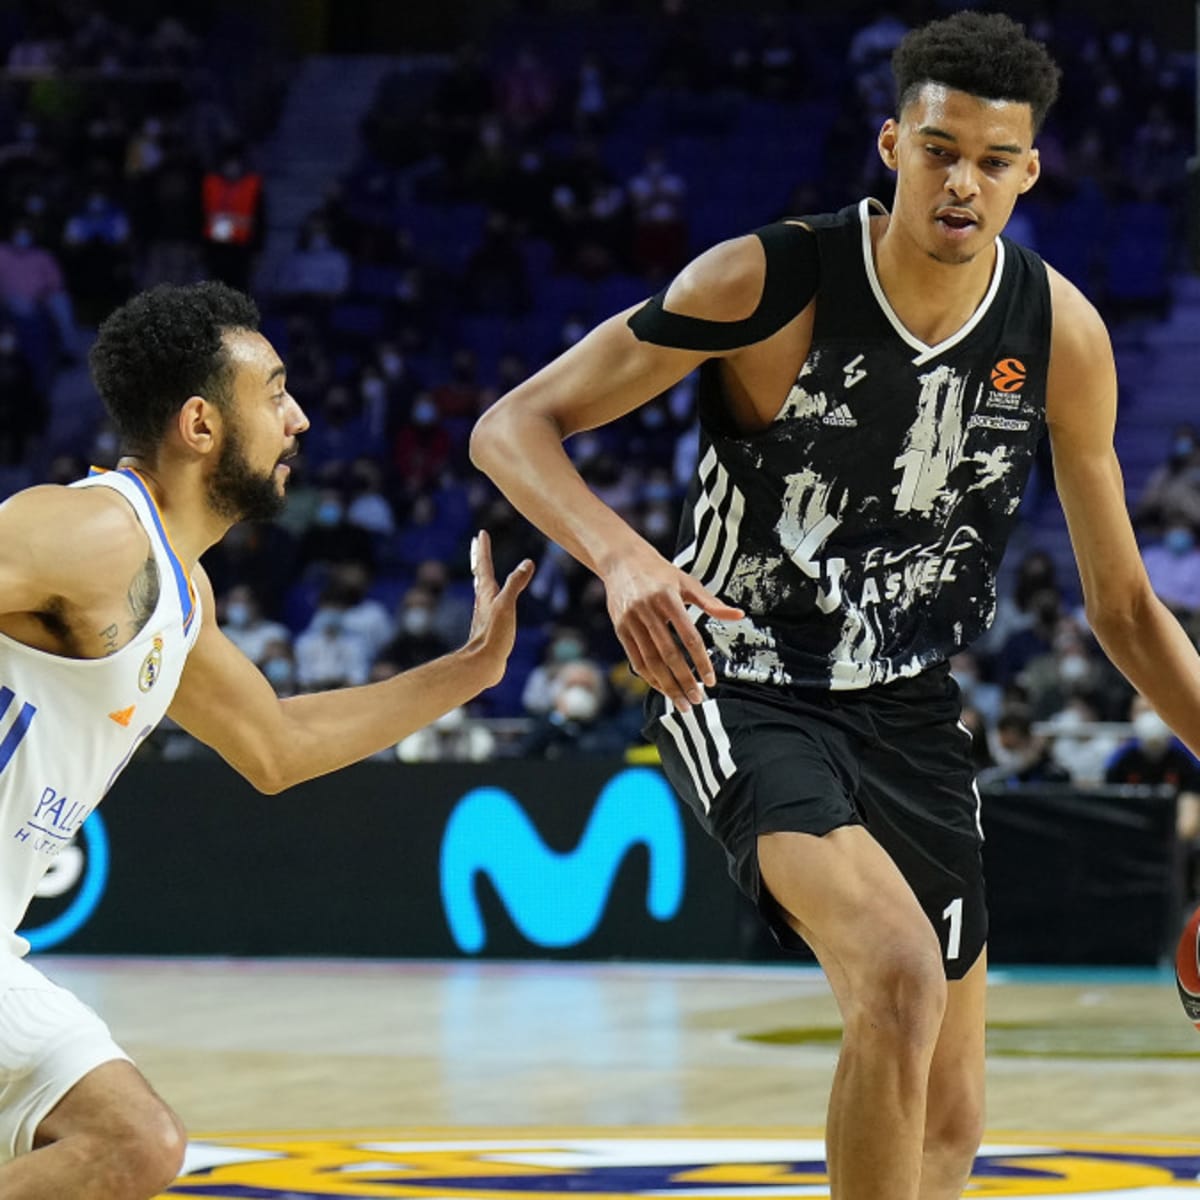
49 1041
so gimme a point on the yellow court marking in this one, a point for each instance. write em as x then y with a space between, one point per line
687 1163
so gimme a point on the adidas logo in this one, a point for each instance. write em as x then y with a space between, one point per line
841 416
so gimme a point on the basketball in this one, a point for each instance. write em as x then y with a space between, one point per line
1187 968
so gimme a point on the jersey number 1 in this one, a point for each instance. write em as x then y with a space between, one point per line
912 463
953 913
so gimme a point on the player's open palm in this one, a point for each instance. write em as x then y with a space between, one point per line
648 601
494 621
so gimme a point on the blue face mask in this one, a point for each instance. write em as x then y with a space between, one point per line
278 671
1179 541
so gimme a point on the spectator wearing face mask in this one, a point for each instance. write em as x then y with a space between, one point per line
328 655
1156 756
1173 565
243 623
279 666
370 509
97 256
331 538
31 285
417 639
451 611
422 448
1076 746
1172 493
363 616
985 698
1021 756
1036 638
455 736
577 722
566 646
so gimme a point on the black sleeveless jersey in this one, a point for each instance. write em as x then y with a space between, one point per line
862 531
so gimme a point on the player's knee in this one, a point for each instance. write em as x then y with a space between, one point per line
144 1159
954 1130
901 999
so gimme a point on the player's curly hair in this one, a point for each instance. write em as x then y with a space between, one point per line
161 347
986 54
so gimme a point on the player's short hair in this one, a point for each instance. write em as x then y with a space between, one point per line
161 347
986 54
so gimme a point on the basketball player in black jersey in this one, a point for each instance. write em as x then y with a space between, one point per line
873 385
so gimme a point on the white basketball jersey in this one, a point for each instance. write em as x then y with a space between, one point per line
68 726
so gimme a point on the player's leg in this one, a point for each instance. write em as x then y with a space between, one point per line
109 1138
847 898
954 1114
76 1117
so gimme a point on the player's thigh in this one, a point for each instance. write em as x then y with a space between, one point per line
49 1041
846 897
919 800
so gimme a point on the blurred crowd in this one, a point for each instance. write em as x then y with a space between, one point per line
506 197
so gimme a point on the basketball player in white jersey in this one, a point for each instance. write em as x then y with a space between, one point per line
107 623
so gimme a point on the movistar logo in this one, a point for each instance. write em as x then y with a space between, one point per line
558 900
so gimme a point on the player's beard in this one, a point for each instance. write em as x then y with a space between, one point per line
236 491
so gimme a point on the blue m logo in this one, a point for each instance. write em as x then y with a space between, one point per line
557 900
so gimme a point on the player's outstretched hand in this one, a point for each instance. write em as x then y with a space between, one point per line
648 601
494 621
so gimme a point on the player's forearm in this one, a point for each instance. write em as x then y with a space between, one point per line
522 453
1150 648
328 730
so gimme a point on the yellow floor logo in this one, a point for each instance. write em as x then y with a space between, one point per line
683 1165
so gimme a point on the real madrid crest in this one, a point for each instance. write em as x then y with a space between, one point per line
151 666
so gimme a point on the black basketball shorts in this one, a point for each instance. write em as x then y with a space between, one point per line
756 759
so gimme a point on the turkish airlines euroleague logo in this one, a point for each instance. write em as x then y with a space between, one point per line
1008 375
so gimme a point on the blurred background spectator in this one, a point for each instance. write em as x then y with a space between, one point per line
426 229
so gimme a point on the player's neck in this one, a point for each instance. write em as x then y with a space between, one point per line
933 299
182 502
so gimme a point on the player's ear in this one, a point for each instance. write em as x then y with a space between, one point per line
197 424
1033 171
889 135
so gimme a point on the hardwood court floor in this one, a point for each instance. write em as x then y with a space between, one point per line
252 1045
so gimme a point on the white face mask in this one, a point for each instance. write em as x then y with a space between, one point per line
1151 730
416 621
1073 667
579 703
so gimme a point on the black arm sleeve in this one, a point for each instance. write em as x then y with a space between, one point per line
792 275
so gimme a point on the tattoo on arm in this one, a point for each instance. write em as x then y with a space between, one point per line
143 594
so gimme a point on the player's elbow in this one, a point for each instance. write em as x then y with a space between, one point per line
1115 614
502 432
484 437
268 785
264 773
